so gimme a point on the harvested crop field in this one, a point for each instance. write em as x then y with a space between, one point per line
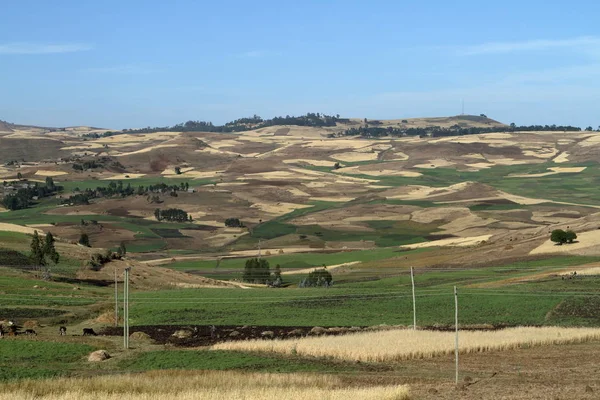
200 385
405 344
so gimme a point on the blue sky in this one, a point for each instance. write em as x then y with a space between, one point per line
132 63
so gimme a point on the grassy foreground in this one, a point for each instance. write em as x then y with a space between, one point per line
198 386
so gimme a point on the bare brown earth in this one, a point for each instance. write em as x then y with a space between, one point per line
263 174
145 277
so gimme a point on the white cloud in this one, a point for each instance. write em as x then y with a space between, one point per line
584 43
252 54
122 69
31 48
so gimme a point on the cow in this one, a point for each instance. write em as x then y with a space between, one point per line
62 331
30 332
89 332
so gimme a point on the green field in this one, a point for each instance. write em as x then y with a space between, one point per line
27 359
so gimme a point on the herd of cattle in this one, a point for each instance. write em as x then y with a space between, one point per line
12 329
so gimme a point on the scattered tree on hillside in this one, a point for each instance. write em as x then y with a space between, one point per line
257 271
589 129
178 170
43 254
337 165
84 240
122 251
19 176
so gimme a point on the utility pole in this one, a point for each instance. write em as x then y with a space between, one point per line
456 328
116 300
259 240
126 309
412 278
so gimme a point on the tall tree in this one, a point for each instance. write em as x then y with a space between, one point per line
43 255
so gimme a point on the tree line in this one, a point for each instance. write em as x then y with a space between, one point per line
238 125
456 130
119 189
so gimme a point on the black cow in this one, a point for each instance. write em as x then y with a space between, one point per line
30 332
62 331
89 332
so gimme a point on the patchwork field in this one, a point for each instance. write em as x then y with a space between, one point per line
190 211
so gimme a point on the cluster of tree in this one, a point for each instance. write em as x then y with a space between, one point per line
258 270
172 214
317 278
43 253
119 189
24 197
234 223
97 260
560 237
87 165
456 130
95 135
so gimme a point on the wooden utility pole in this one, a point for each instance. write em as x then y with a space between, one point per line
126 309
456 329
116 300
412 278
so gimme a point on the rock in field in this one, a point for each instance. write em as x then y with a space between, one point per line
98 355
182 334
317 330
140 336
267 334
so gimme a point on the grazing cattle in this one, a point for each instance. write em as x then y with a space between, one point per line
62 331
89 332
30 332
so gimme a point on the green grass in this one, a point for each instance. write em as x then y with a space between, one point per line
222 360
365 299
22 358
298 260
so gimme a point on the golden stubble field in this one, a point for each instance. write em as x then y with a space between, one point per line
405 344
201 385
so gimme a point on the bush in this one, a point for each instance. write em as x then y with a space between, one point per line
84 240
233 223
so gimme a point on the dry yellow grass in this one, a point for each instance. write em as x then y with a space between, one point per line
405 344
199 385
19 228
453 242
319 163
123 176
355 156
42 172
585 240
